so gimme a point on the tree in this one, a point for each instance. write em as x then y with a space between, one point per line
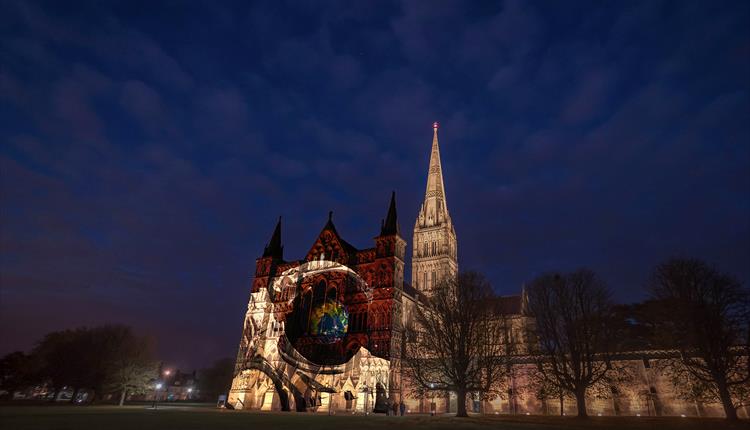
216 380
17 371
128 363
61 357
100 358
461 341
709 324
572 331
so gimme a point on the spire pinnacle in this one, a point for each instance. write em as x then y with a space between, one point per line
274 247
390 225
435 208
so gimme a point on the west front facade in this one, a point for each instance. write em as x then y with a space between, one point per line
323 333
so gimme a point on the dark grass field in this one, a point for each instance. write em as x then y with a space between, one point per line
206 418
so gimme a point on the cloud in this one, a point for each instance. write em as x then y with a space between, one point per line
143 170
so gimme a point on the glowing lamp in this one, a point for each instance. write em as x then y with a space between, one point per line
158 386
435 125
167 372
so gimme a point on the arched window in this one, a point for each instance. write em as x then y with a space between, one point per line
319 293
433 247
331 295
304 315
424 249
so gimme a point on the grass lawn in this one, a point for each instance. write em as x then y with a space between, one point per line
204 418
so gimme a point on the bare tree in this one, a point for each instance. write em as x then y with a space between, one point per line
709 323
572 331
540 387
461 343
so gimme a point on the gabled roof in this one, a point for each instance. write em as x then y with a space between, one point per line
346 246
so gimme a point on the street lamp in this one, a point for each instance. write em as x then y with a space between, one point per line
157 387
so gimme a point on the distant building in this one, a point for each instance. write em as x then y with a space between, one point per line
172 386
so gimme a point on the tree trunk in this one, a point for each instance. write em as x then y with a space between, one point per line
726 402
581 403
122 396
461 403
562 405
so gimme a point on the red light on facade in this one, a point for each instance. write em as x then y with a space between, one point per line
435 125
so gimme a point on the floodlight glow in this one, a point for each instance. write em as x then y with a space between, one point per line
158 386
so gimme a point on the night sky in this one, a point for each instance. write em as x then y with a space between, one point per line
147 149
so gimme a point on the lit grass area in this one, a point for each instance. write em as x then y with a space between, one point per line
206 418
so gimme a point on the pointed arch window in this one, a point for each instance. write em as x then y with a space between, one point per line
319 293
331 295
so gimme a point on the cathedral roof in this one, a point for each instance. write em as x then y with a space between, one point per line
349 248
508 305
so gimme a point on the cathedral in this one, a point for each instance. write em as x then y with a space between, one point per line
323 333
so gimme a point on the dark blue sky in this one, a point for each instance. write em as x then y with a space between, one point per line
148 147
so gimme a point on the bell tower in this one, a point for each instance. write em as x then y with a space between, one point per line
434 251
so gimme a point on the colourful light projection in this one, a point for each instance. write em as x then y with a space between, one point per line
325 314
330 322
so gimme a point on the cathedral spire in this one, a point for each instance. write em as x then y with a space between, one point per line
274 248
434 245
390 225
435 207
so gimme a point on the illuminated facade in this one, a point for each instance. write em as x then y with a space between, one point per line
321 333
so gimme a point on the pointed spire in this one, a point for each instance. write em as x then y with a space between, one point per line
274 248
390 225
435 206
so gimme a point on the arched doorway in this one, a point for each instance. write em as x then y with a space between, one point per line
281 385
